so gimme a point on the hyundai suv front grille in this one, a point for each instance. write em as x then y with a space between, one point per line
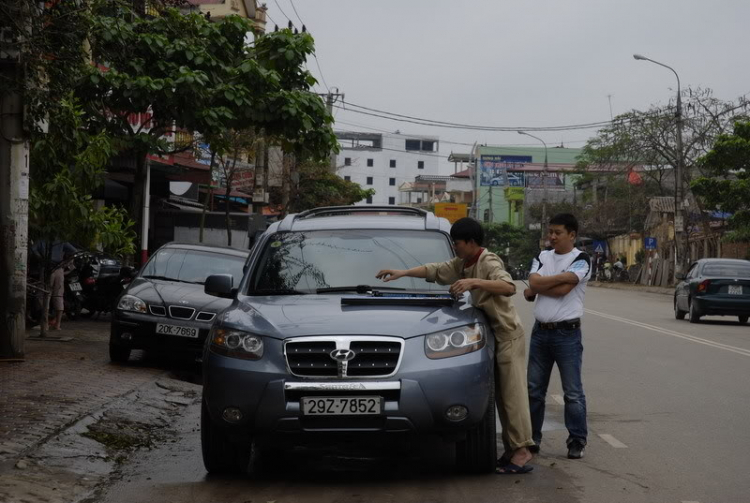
343 356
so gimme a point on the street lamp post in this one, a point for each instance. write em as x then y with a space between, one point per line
679 196
544 185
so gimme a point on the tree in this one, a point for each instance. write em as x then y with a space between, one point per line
727 184
318 186
68 164
182 70
516 245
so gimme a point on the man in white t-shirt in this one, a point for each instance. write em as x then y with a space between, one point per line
558 280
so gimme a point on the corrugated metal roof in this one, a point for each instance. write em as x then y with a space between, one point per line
662 204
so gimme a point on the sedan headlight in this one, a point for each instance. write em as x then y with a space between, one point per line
236 343
131 303
455 342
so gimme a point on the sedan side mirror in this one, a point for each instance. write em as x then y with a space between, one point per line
680 276
219 285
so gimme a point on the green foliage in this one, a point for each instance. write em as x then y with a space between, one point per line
501 238
727 186
68 164
318 186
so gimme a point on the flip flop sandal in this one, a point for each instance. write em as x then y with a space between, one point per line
511 469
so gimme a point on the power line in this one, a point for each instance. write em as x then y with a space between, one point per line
282 10
296 13
452 125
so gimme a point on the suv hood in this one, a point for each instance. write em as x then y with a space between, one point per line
283 317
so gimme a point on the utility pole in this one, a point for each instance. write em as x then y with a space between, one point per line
14 203
331 98
543 223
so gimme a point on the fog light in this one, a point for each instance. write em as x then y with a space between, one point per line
126 337
456 413
232 415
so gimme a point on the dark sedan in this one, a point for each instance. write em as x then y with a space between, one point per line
165 309
714 287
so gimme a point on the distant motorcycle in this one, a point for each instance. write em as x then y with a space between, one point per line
103 279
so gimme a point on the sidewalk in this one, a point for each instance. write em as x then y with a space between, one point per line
61 382
634 287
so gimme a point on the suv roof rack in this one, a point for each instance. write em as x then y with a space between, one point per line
431 221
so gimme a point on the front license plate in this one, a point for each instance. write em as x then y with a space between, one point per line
342 406
75 287
161 328
735 289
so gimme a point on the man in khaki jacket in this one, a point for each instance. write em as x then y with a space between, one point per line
481 273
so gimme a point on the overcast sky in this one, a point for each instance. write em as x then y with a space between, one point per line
519 63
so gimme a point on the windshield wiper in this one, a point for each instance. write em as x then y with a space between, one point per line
357 288
165 278
277 291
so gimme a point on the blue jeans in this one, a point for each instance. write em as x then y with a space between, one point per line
565 348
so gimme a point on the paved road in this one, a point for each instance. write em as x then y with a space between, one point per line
669 408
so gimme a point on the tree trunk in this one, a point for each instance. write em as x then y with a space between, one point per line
226 213
136 203
209 197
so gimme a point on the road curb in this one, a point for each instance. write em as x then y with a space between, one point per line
634 288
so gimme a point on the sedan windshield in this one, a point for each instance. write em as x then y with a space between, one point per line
307 261
727 270
192 266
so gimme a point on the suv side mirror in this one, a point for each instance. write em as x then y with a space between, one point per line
681 276
219 285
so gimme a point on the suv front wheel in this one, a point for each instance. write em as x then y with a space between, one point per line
222 455
478 452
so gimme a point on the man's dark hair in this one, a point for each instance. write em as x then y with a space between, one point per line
467 229
570 222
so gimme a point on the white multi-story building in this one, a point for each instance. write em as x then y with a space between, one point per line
385 161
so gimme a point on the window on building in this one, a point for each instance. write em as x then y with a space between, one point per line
486 215
348 178
391 200
413 144
419 200
392 181
347 161
369 200
369 180
423 145
420 164
393 163
370 163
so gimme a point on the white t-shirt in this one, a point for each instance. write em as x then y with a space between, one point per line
553 309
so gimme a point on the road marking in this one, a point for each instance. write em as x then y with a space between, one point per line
691 338
690 502
558 399
612 441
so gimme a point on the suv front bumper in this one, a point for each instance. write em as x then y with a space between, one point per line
415 399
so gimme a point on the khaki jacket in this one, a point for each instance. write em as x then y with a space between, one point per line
499 309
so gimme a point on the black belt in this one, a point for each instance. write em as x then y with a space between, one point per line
564 325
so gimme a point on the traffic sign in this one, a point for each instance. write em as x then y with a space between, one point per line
650 243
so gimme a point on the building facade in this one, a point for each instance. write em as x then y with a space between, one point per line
508 180
385 162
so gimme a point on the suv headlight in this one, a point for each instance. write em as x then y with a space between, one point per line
131 303
236 343
455 342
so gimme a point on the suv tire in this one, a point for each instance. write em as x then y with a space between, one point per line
119 354
221 454
743 320
478 452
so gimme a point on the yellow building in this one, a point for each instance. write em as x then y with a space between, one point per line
219 9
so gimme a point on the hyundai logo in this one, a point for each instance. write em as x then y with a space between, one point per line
343 355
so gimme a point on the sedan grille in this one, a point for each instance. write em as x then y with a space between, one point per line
181 313
205 316
158 310
368 356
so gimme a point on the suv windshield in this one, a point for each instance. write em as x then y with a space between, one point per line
306 261
192 266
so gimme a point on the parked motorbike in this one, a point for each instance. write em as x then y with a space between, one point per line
72 292
103 279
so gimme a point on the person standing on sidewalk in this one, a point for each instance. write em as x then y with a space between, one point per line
558 280
482 273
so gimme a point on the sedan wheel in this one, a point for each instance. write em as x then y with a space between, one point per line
743 320
695 317
679 314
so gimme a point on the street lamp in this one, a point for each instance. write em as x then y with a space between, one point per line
679 219
544 184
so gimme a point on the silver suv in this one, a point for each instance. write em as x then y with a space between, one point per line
310 347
